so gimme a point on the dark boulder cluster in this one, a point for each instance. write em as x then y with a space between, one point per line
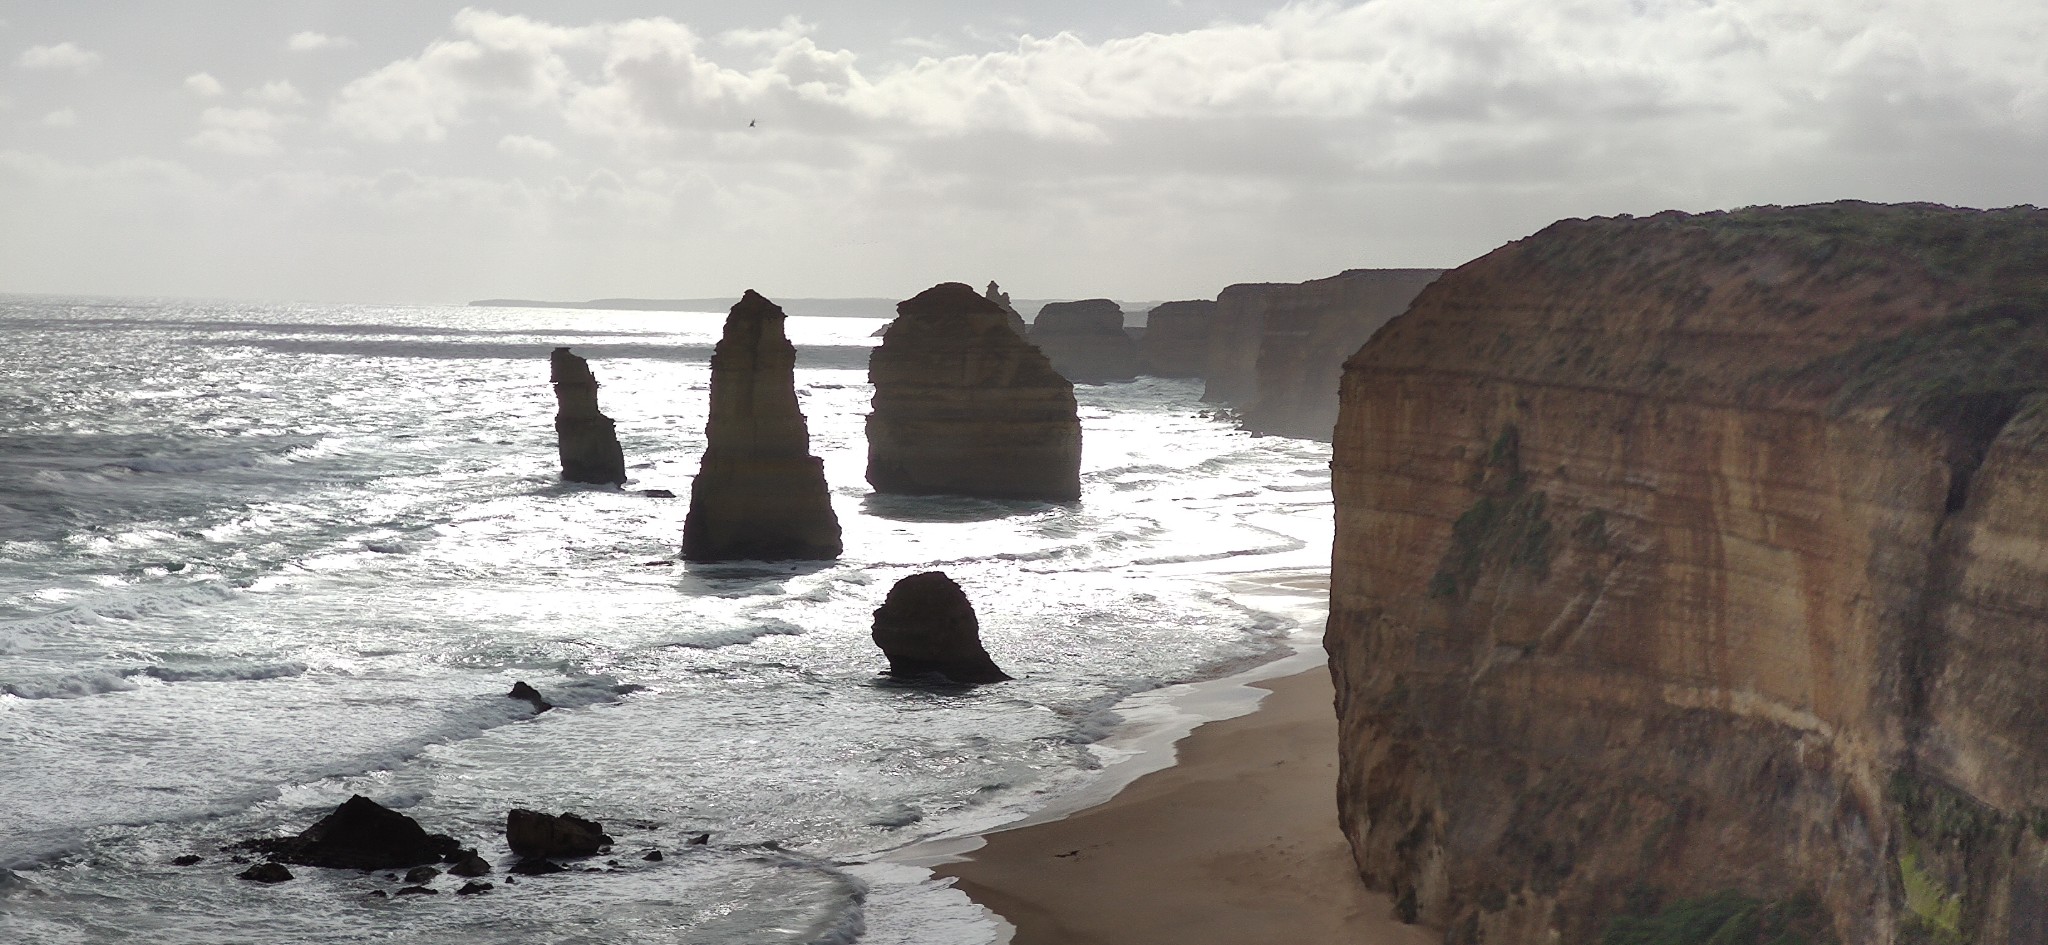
361 834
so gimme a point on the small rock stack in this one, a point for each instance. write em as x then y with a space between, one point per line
586 438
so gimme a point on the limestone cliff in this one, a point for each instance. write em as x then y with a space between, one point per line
964 406
585 439
1695 560
759 494
1276 350
1086 341
1176 339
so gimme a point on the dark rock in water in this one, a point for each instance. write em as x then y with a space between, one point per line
266 873
536 867
533 834
360 834
377 894
1086 341
188 859
520 690
965 406
996 294
657 493
587 439
760 495
474 888
470 864
1176 339
700 839
652 856
416 891
927 627
421 874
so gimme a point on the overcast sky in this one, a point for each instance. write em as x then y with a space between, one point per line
361 150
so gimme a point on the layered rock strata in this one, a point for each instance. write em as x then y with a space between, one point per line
1276 350
585 438
927 627
1176 339
759 494
965 406
1692 561
1086 341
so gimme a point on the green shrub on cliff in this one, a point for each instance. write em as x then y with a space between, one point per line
1508 526
1725 918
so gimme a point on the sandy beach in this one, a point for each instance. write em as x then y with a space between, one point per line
1235 843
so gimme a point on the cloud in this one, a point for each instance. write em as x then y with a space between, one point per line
66 56
309 41
241 132
203 85
61 118
528 146
279 94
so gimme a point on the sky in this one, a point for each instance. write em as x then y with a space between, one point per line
418 151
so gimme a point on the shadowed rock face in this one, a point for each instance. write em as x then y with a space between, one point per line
965 406
1176 339
360 834
927 627
588 444
1694 553
1086 341
996 294
534 834
759 494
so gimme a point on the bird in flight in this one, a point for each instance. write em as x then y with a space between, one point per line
752 121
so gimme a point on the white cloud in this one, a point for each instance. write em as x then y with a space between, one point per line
204 85
279 94
528 146
62 56
61 118
310 41
241 132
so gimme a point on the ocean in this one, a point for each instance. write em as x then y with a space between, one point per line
255 558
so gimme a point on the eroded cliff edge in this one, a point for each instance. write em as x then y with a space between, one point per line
1691 554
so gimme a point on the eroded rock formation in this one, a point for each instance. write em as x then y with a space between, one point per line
927 627
1694 560
1276 350
759 494
1086 341
1176 339
965 406
996 294
585 438
532 834
361 834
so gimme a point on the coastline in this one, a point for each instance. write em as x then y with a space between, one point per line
1226 835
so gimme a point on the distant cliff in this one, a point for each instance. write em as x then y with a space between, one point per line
1276 350
1698 566
836 308
1176 338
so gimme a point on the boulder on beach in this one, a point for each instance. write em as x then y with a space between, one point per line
759 494
361 834
965 406
927 627
586 439
534 835
1086 341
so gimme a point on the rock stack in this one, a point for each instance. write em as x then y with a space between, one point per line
759 495
996 294
964 406
586 439
1086 341
927 628
1176 341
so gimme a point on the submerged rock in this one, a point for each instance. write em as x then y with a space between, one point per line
586 439
926 626
361 834
189 859
533 834
532 696
474 888
469 864
266 873
535 866
760 495
965 406
1086 341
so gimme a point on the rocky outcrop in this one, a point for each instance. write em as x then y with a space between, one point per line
1176 339
1276 350
759 495
964 406
1086 341
1696 563
585 438
361 834
996 294
927 627
535 835
529 695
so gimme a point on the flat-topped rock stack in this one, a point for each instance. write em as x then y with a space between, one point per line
1086 341
965 406
759 495
586 439
1176 339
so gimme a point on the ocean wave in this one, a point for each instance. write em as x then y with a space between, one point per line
224 672
737 636
71 686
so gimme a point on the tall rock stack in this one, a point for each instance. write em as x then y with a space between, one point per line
1176 341
1086 341
965 406
996 294
760 495
586 439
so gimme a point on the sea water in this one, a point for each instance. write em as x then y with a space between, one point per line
257 558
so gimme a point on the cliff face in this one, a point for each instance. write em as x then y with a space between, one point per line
965 406
1086 341
1176 339
1689 554
585 439
1276 350
759 494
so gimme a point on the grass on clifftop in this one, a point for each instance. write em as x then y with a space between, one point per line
1725 918
2000 349
2002 251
